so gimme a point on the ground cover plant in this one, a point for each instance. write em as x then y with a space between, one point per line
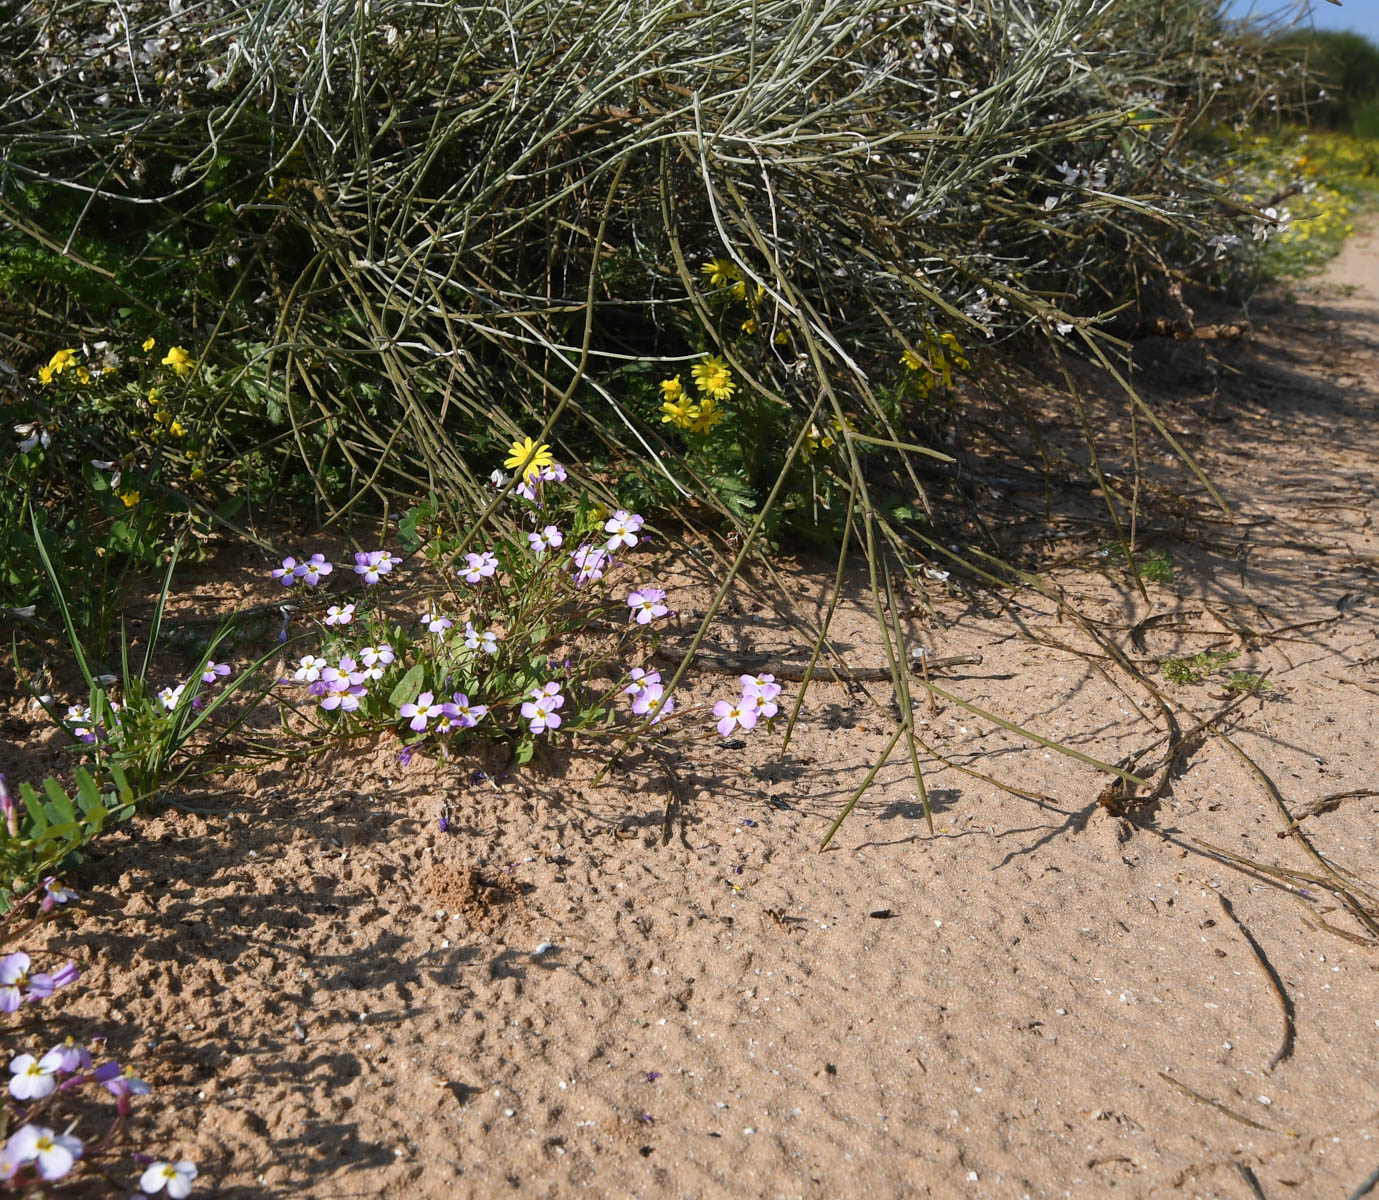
535 636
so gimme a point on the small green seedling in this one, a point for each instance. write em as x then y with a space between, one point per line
1198 667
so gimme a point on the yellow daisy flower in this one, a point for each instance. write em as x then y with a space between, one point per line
707 416
681 413
816 440
713 378
672 389
129 499
61 361
911 361
45 375
526 454
720 271
149 343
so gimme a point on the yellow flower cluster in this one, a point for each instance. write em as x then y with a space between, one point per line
726 276
60 361
1324 178
934 368
87 366
713 379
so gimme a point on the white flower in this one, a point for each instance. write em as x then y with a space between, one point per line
176 1177
474 640
336 615
32 1079
170 696
309 669
53 1152
623 526
33 433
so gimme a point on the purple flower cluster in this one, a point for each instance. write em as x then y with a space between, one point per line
372 565
65 1067
82 727
648 695
457 713
545 539
369 565
33 1154
479 567
541 711
623 529
529 488
310 572
340 685
757 703
590 562
646 603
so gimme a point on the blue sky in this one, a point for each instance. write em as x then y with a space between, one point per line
1360 16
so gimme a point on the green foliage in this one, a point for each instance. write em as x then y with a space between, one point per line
98 483
45 833
1345 68
1198 667
1247 681
1154 566
1314 181
398 266
153 737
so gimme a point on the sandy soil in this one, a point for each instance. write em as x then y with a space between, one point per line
334 998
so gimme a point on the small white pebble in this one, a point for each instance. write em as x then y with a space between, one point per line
971 1176
541 949
507 1112
749 1131
1264 1099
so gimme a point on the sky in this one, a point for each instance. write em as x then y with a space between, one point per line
1358 16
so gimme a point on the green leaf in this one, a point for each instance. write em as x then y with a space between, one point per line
36 813
88 793
61 805
122 788
407 687
523 751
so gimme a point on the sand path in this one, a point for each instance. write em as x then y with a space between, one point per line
333 998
